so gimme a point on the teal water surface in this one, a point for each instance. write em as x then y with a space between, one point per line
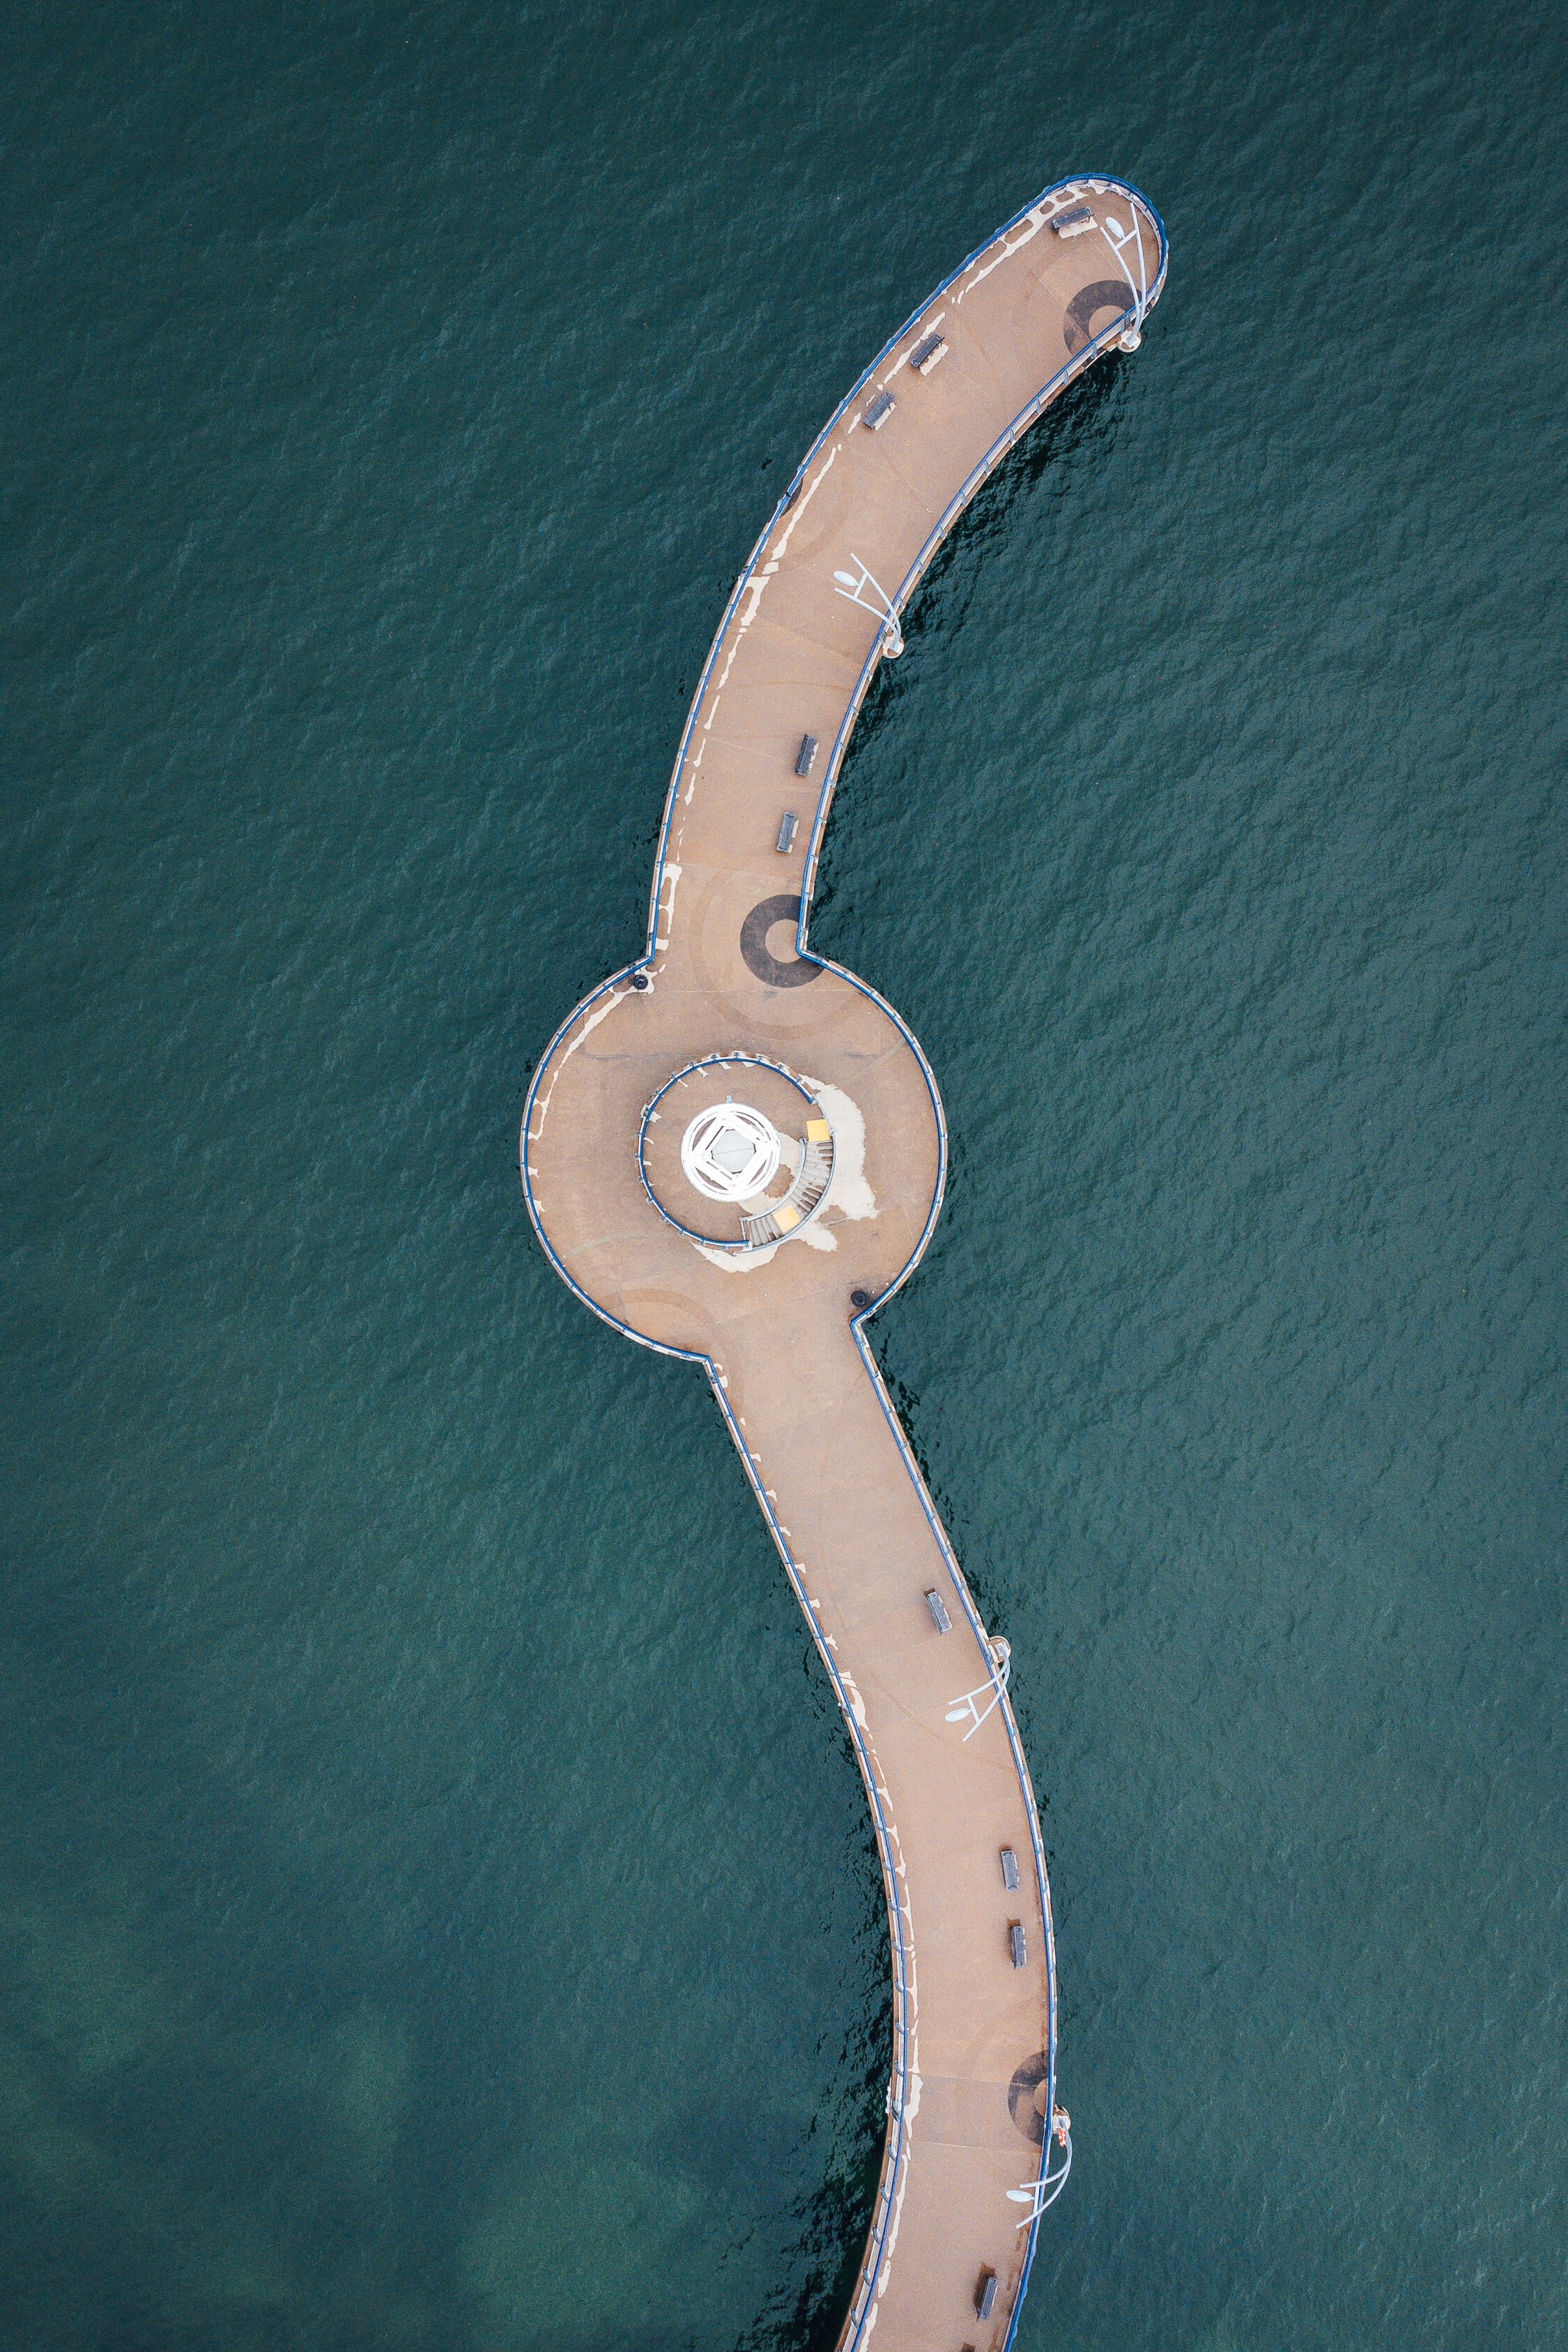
436 1906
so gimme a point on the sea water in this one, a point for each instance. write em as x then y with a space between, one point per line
436 1906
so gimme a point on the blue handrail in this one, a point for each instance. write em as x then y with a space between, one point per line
895 2151
707 1062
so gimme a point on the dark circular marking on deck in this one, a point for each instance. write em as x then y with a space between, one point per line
754 945
1021 2092
1105 294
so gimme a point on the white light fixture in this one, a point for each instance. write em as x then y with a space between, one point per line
854 585
730 1152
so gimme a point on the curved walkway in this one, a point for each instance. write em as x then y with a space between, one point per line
780 1327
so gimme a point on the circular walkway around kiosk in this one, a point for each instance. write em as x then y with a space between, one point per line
763 1085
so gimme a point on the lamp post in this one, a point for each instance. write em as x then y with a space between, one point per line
853 587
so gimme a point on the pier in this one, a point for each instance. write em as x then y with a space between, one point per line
734 1151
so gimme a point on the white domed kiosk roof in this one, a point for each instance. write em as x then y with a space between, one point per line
730 1152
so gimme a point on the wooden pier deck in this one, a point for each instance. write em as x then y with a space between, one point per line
726 984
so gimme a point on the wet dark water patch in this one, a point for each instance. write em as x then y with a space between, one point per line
776 972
